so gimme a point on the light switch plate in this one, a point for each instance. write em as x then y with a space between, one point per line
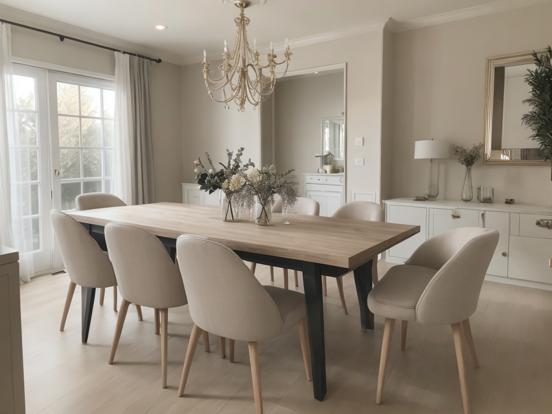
359 141
359 162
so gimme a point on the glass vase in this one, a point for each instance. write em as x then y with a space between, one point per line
467 188
229 208
263 212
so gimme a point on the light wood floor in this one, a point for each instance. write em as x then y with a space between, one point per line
512 330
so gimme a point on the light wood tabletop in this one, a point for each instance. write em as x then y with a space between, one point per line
323 240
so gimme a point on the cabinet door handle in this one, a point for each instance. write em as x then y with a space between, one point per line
545 223
455 215
504 254
483 224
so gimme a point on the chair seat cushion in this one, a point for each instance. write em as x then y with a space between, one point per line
397 293
290 304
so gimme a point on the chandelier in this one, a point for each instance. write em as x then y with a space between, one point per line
241 77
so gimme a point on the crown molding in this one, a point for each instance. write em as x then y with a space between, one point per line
494 7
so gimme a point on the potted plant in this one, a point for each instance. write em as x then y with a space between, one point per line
539 118
468 157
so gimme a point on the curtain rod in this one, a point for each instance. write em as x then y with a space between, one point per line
63 37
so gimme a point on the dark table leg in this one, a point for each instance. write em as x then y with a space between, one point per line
363 282
87 306
312 282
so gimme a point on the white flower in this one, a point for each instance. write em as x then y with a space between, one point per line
226 185
236 182
196 170
211 171
253 174
196 162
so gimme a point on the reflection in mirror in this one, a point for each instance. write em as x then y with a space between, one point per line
506 138
333 139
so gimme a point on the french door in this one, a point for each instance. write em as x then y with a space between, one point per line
61 146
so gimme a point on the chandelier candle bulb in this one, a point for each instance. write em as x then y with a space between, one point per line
204 56
225 46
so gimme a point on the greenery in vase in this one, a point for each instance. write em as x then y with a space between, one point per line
468 156
539 118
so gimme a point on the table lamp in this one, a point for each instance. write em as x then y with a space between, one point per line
432 150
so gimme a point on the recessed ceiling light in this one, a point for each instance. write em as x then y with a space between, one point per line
160 27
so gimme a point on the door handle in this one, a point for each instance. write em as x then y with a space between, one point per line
483 219
56 172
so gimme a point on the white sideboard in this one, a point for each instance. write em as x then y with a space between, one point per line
12 394
524 250
191 194
327 189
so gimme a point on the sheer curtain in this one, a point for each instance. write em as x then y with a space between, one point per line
133 166
16 171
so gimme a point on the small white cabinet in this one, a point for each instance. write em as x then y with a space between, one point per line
524 249
327 189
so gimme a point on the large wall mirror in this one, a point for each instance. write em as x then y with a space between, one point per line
506 138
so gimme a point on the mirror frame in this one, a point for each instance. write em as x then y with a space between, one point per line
491 156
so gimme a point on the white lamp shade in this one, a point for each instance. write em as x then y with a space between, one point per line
431 149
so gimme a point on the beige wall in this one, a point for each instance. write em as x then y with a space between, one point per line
300 105
209 127
165 93
439 86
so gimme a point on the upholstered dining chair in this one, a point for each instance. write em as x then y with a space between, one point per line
85 262
439 284
226 299
89 201
146 276
358 210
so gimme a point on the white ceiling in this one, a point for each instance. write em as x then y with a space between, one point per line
194 25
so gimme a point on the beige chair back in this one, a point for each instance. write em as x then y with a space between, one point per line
462 256
145 272
91 201
305 206
224 297
360 210
85 262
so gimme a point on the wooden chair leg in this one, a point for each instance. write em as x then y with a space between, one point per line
118 330
296 277
164 314
469 339
206 344
324 286
68 300
231 345
375 276
223 347
253 267
272 274
255 376
286 279
339 281
460 361
190 350
102 296
139 312
305 350
157 321
404 331
115 298
387 333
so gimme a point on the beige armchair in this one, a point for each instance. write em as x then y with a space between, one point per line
226 299
439 284
358 210
91 201
85 262
147 276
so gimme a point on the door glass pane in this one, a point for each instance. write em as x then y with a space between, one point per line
69 191
91 132
92 187
27 164
91 163
67 98
69 163
68 131
108 133
35 233
107 162
90 101
24 93
108 103
25 128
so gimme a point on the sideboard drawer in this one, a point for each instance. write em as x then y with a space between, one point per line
329 179
442 220
529 228
529 259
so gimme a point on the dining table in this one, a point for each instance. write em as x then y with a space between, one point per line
316 246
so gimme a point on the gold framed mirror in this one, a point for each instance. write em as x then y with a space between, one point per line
506 138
